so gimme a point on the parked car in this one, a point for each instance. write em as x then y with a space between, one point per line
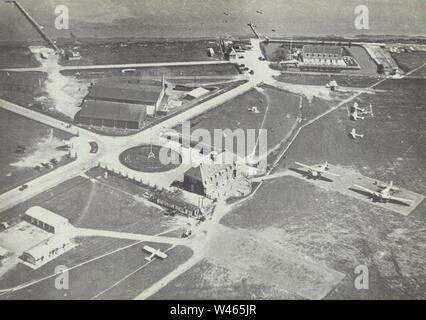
23 187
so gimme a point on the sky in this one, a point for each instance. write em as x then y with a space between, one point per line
207 18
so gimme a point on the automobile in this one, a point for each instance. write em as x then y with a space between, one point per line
54 161
251 72
23 187
4 225
146 194
37 168
262 59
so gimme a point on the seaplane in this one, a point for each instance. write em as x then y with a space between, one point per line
355 117
385 193
154 253
316 171
354 135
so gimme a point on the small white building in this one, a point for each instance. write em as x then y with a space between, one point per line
47 250
197 93
45 219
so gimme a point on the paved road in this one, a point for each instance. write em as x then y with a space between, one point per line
83 232
124 66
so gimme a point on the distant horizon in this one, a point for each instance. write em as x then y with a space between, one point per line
192 19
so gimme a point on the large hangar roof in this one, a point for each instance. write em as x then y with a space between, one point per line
125 92
112 111
324 49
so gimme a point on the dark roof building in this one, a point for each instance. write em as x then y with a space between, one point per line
126 92
111 114
323 50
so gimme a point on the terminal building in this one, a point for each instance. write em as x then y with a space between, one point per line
210 180
46 220
322 57
118 104
54 245
111 114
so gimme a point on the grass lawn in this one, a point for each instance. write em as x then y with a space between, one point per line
281 110
335 230
408 61
174 71
98 269
99 205
141 52
16 130
137 158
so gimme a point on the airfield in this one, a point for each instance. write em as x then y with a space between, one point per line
344 184
292 237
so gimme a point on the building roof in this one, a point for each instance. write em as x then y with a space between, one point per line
44 247
125 92
325 49
205 170
3 251
112 111
46 216
197 92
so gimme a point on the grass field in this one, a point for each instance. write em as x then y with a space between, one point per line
278 110
332 229
99 266
408 61
16 130
138 159
176 71
99 205
141 52
322 80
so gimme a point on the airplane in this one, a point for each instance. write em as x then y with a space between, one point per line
355 135
385 194
316 171
354 116
154 252
355 107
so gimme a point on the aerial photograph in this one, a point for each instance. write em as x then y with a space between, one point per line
212 150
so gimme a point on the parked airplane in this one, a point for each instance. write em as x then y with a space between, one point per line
354 116
355 135
355 107
317 170
385 194
154 252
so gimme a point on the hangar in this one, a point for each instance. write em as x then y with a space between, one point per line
45 219
111 114
210 180
148 96
322 56
46 250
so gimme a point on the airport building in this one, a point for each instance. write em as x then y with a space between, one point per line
111 114
322 56
46 220
210 180
46 250
54 245
148 96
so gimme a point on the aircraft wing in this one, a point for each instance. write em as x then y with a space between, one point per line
156 252
364 189
327 172
306 166
402 200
